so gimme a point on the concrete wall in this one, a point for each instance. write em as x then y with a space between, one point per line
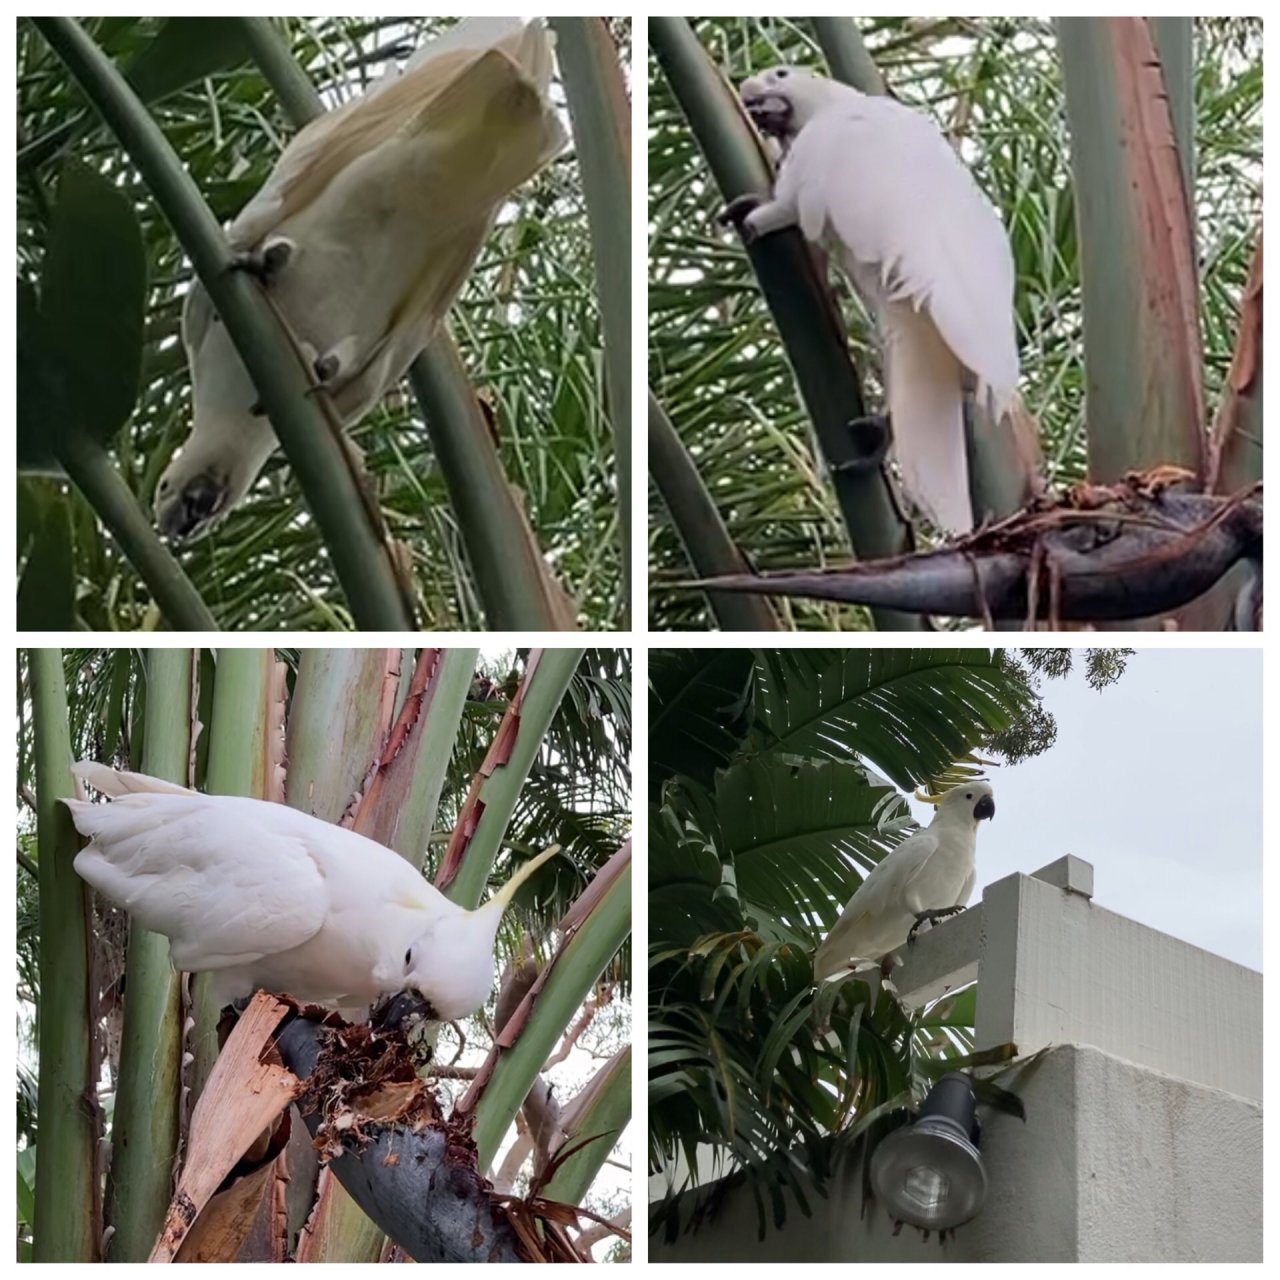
1116 1163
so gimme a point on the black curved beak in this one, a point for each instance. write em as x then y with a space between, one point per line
985 808
770 114
201 500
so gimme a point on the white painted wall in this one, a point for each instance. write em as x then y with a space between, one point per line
1143 1140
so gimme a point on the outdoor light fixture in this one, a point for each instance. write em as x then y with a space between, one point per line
929 1173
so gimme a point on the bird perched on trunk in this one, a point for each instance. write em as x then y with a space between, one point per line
262 895
880 188
928 876
363 235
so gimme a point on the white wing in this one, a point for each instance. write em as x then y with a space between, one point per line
199 869
882 911
331 142
883 180
931 260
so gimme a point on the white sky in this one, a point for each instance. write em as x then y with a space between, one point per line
1156 781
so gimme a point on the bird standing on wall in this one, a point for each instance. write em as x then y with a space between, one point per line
928 876
878 185
263 895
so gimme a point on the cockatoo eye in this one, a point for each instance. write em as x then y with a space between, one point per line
408 959
781 75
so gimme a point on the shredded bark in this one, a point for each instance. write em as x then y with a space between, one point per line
410 1168
1100 553
375 809
246 1094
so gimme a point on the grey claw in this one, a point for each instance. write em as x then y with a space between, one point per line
870 438
276 256
736 212
267 263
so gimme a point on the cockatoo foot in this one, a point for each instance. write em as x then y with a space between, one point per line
344 354
932 917
869 437
736 212
266 263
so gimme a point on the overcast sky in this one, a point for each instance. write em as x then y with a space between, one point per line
1157 781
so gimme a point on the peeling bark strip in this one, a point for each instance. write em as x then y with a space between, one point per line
244 1096
368 814
388 692
1165 238
498 754
423 672
1106 553
225 1224
279 1208
1231 444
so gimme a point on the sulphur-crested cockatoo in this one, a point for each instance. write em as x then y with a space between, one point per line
263 895
929 875
878 186
363 235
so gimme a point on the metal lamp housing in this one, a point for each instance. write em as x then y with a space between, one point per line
929 1173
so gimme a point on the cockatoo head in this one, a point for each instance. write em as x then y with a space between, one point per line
970 802
450 963
231 438
782 100
205 481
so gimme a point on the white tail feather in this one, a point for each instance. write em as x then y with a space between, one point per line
926 411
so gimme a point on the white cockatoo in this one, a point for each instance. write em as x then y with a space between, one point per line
263 895
929 875
878 186
363 235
